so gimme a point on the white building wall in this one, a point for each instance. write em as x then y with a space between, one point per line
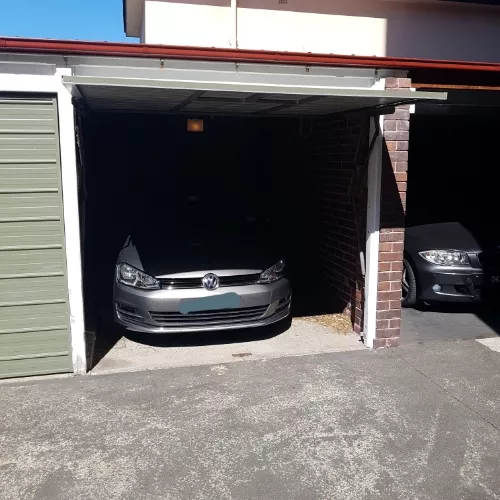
188 24
310 32
361 27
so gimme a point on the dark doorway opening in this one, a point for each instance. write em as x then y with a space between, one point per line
132 158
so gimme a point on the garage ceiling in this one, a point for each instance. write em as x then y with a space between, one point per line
124 98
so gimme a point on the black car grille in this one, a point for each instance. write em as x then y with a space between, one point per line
184 283
127 313
202 318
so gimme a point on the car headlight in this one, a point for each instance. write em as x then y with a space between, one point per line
130 276
446 257
274 273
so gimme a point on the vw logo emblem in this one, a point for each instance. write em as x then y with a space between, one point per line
211 281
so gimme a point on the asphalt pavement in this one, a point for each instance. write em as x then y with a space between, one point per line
416 422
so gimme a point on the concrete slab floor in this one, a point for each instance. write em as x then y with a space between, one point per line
139 352
415 423
448 321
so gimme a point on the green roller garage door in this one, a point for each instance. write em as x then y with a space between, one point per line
34 329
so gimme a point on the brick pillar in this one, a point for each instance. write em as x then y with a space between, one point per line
392 220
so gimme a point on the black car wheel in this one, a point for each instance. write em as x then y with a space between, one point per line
408 286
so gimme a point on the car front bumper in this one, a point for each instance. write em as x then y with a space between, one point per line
159 311
455 284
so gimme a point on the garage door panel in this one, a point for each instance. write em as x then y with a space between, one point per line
40 262
14 205
34 366
18 115
8 106
27 111
22 234
36 182
27 155
41 125
33 289
29 180
23 167
28 141
27 344
30 105
33 316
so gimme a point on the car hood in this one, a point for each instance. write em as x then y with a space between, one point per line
451 235
182 256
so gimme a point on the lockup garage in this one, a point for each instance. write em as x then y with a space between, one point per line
307 136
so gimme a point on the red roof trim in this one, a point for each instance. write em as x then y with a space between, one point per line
110 49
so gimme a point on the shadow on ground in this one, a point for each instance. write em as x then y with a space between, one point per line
487 313
216 337
449 322
107 337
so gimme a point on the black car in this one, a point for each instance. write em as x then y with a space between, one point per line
449 262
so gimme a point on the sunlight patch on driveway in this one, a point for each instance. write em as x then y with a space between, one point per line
493 343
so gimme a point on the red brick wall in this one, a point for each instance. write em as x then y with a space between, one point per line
336 204
392 220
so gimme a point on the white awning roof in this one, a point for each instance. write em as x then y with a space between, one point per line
234 89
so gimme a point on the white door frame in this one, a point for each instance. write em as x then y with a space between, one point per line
373 228
52 85
373 234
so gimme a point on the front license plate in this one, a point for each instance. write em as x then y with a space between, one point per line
495 279
224 301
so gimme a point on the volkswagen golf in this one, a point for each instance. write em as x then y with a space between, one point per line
200 265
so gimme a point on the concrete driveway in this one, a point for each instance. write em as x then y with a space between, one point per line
419 422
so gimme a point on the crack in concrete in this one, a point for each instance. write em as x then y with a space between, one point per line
443 389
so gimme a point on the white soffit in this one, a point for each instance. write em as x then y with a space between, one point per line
233 89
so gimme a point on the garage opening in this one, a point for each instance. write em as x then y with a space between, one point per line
452 159
232 195
287 171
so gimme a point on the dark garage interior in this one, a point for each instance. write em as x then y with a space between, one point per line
453 159
238 169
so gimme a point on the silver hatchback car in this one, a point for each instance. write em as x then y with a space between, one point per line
196 287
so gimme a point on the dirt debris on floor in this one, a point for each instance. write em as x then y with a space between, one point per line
338 323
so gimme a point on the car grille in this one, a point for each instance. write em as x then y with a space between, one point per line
184 283
202 318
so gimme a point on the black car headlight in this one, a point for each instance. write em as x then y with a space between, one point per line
446 257
274 273
130 276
